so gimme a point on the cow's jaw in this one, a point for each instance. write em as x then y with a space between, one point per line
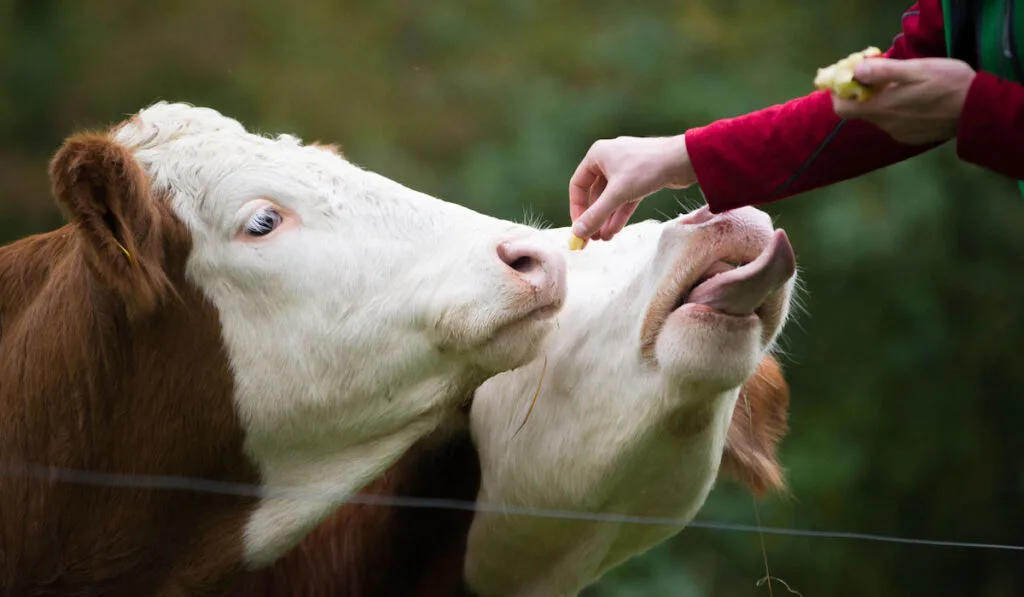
723 298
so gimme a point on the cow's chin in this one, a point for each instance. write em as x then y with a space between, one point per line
516 342
699 346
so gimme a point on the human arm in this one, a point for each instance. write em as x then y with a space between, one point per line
982 111
991 130
803 144
760 157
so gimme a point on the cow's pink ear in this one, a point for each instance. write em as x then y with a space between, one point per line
103 190
755 432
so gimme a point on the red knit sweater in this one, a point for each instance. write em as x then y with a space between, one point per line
801 145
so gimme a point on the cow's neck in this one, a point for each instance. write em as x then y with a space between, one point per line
314 486
313 458
371 549
81 387
664 435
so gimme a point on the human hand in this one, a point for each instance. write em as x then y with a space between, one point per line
917 101
617 173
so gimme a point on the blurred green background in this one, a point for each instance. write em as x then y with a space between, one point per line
907 411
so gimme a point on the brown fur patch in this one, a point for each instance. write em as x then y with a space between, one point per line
754 435
98 184
328 147
99 373
379 550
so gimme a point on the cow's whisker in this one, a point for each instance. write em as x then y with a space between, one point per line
540 383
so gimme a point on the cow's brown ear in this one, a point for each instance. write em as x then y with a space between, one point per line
103 190
755 432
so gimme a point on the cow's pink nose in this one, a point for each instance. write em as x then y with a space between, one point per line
748 216
698 216
533 261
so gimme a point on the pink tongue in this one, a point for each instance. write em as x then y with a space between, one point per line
741 290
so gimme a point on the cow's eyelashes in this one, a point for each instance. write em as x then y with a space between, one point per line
263 222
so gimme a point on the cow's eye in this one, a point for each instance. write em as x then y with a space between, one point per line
263 222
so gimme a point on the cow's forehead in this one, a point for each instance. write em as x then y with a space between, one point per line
193 150
163 122
179 130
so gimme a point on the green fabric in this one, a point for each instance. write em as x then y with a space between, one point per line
994 14
993 18
947 19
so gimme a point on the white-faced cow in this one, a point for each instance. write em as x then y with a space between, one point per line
659 378
237 308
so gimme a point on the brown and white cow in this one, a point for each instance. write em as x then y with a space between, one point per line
237 308
659 378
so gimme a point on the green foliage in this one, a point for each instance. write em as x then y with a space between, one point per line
906 392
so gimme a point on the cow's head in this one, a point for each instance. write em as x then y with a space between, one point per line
715 295
639 399
689 306
353 312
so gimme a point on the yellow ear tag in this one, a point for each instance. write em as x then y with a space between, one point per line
125 251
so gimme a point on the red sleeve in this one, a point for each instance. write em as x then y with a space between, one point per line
991 129
801 145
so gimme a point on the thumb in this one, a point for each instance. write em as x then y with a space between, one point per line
591 220
879 71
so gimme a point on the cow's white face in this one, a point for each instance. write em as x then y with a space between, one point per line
355 311
714 295
666 306
661 328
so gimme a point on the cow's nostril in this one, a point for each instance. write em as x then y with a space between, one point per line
520 257
524 264
530 261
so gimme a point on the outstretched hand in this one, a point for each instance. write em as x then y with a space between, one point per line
918 101
616 174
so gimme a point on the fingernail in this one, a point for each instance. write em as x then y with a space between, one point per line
579 229
862 70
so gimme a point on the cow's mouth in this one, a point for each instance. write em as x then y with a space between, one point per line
733 285
740 288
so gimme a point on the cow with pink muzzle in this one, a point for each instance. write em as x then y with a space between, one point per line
664 327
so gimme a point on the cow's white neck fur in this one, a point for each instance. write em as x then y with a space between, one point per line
322 483
350 336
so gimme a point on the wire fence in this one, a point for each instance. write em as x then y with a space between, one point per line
80 477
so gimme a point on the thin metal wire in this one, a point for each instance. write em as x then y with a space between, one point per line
80 477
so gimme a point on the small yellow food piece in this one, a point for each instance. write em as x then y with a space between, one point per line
576 243
838 78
